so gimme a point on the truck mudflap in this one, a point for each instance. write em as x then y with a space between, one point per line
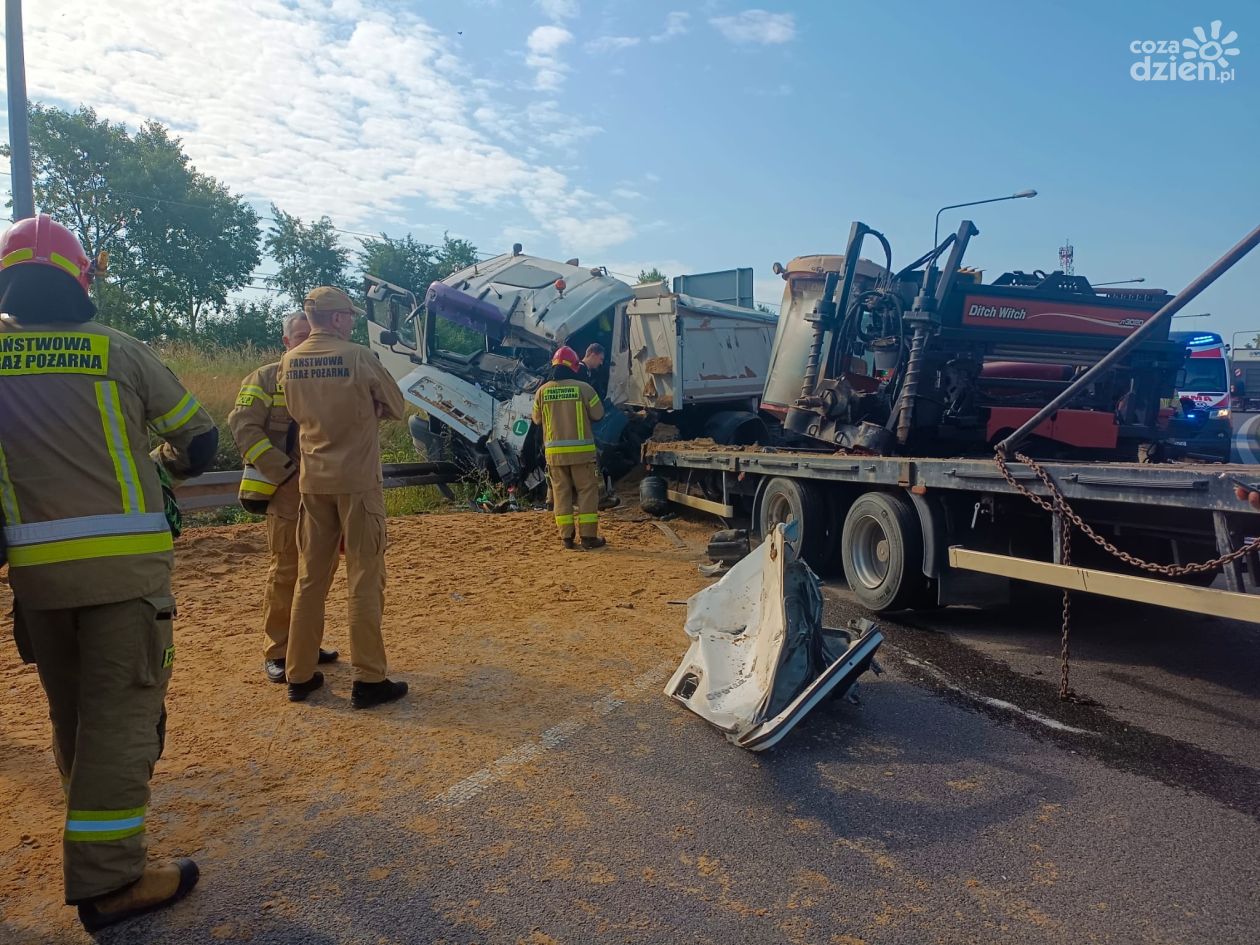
760 658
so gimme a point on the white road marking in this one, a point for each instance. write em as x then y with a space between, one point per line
476 783
1001 704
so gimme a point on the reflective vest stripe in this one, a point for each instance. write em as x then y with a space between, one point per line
101 826
257 450
115 426
8 498
82 549
279 400
589 448
564 519
594 401
580 415
177 416
588 518
87 526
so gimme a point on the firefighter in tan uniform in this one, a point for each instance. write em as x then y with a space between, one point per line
89 549
267 438
567 410
337 391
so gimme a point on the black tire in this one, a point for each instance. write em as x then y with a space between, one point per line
785 500
882 549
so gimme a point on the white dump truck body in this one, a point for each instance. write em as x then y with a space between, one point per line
672 351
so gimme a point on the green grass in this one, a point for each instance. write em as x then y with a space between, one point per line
214 376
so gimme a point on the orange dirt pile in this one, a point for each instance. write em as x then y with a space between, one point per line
500 632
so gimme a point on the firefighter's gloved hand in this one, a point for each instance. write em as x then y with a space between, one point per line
174 517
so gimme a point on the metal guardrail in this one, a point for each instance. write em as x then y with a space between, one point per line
214 490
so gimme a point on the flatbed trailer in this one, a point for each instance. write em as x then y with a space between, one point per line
915 532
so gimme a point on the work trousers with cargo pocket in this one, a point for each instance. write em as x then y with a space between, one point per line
323 521
281 580
105 670
576 485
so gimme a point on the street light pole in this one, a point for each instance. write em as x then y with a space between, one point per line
19 121
974 203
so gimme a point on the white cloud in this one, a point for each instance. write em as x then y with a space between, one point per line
625 193
603 44
757 26
544 44
558 9
348 108
675 25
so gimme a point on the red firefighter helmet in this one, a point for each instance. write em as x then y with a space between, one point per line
42 241
566 356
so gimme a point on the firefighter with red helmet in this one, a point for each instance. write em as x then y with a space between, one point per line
89 549
567 409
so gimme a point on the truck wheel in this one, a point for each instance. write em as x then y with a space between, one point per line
882 549
788 500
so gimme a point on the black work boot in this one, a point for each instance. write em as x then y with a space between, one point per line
275 668
569 543
157 886
365 695
298 691
592 543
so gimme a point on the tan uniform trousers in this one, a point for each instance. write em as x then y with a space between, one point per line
576 485
105 670
282 577
322 521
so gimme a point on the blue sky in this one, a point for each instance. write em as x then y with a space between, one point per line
705 135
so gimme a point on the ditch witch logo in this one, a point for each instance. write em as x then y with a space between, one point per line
1205 57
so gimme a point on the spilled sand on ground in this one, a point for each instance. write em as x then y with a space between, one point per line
500 633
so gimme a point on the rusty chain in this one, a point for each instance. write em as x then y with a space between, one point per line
1057 503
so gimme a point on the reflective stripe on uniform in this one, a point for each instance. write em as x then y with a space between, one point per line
279 400
177 416
249 391
564 519
17 256
86 526
557 450
255 483
82 549
8 498
257 450
580 415
594 401
115 426
588 518
102 826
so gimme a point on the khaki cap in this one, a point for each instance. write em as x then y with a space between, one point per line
327 299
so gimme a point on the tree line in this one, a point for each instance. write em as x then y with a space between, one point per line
183 247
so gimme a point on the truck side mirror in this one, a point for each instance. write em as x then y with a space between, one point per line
389 338
395 314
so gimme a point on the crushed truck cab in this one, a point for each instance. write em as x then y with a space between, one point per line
471 354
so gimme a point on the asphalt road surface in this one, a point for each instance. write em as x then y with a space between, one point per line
959 802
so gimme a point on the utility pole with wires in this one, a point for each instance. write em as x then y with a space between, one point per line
19 118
